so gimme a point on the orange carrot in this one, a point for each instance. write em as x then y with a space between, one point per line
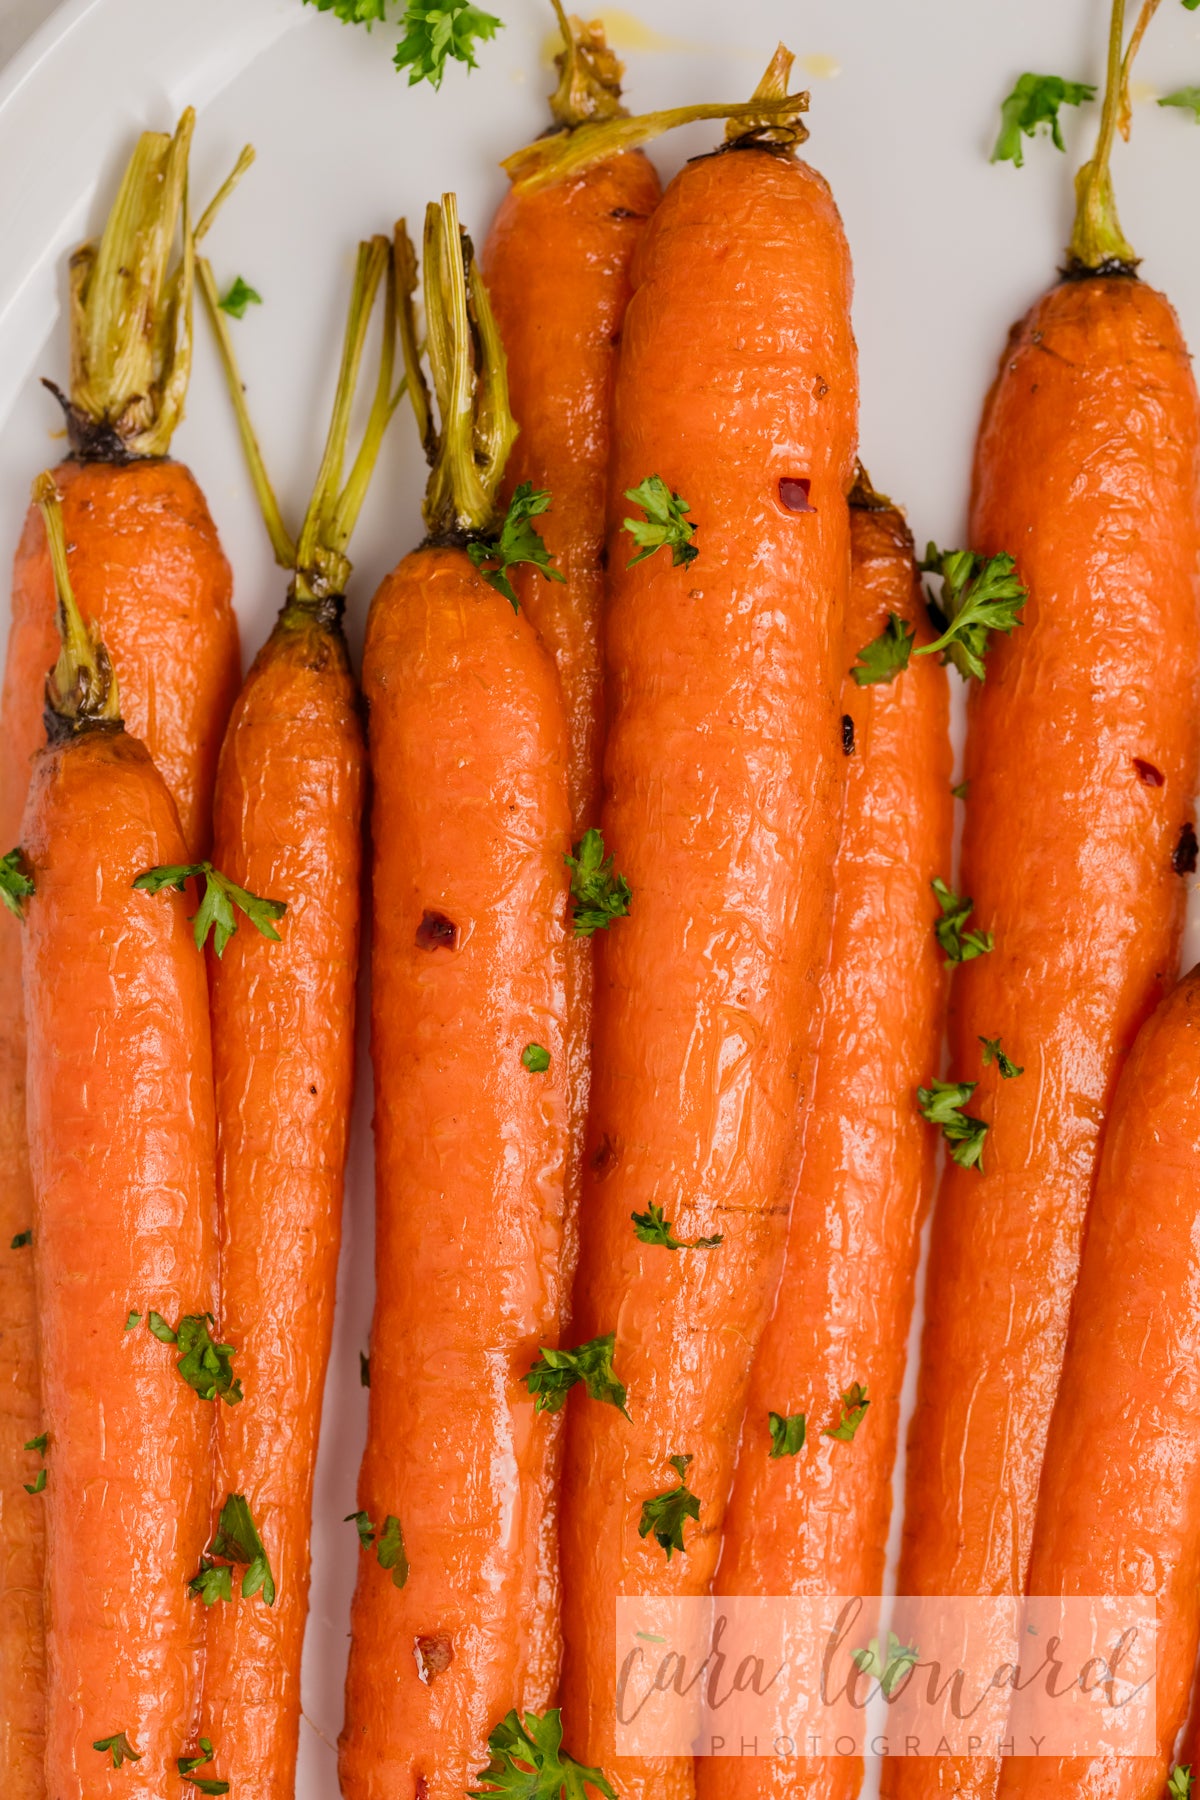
470 826
122 1159
723 779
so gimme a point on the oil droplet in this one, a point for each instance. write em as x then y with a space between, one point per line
819 66
625 32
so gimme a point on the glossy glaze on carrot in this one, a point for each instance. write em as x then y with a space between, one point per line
817 1522
287 824
124 1221
470 824
723 793
1082 761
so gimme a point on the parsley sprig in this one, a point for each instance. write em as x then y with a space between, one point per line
652 1228
1179 1786
1186 99
432 36
979 595
207 1784
519 542
16 884
1035 102
599 896
787 1433
665 523
387 1542
854 1411
239 297
891 1669
528 1762
992 1053
221 896
204 1365
665 1514
941 1103
118 1747
236 1542
959 944
887 655
556 1372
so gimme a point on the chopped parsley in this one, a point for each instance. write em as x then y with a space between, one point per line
388 1544
21 1241
942 1103
207 1784
665 1514
854 1411
118 1747
979 595
1035 102
240 296
528 1762
37 1485
885 656
519 542
599 896
992 1053
134 1318
664 526
15 884
556 1372
1179 1786
221 896
787 1433
959 944
890 1669
652 1228
204 1365
236 1542
535 1058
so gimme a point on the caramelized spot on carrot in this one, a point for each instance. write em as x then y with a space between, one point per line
1183 860
605 1158
437 932
794 492
623 212
433 1656
1150 775
847 735
421 1792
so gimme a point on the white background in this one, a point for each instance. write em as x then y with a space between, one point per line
948 251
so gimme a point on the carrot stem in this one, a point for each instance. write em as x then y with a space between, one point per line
81 687
589 84
1097 239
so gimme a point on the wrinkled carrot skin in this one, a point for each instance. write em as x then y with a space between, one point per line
148 570
818 1522
1088 471
288 824
723 795
557 265
470 825
1119 1504
125 1218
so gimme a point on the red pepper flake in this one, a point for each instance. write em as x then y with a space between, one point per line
1183 859
433 1656
1150 775
794 492
437 932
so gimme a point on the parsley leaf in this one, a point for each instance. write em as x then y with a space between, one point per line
22 1239
39 1481
978 595
134 1318
240 296
941 1103
536 1059
900 1659
556 1372
854 1411
1187 99
885 656
960 946
118 1747
205 1366
221 896
1179 1786
15 885
529 1763
353 12
665 1514
992 1053
435 33
787 1433
207 1784
664 524
519 542
38 1443
236 1540
37 1484
388 1543
959 790
1035 101
214 1582
652 1228
599 895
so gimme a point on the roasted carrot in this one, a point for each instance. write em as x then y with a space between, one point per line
1087 470
470 825
149 571
809 1513
287 823
1119 1503
122 1155
723 791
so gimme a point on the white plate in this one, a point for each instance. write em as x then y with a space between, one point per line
948 251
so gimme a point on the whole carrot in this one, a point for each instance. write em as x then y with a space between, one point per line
287 823
149 570
1087 470
809 1509
122 1159
470 824
1119 1503
723 784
